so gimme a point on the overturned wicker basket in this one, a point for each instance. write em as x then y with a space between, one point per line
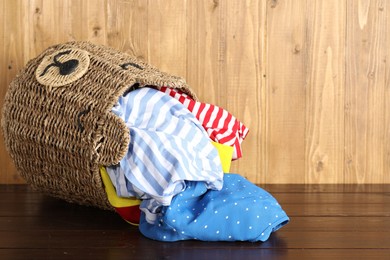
57 120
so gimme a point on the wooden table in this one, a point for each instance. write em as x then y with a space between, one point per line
327 222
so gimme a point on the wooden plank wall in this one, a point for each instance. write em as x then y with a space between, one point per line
310 78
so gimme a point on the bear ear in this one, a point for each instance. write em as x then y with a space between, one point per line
112 141
62 67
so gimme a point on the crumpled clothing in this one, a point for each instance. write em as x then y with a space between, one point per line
241 211
221 126
128 208
168 146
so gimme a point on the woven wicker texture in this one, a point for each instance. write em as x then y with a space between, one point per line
57 120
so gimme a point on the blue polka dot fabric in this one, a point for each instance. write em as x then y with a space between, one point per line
241 211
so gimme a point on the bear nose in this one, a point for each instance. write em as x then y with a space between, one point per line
68 67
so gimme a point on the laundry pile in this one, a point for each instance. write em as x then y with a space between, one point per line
177 173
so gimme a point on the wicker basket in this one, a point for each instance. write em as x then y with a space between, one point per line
57 120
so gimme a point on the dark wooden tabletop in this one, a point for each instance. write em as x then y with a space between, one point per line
327 222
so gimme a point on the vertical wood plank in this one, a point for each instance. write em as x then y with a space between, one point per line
287 68
325 92
205 52
78 17
4 67
365 91
96 21
385 7
11 61
244 53
36 36
88 20
167 32
127 27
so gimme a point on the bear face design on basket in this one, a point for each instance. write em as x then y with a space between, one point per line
57 120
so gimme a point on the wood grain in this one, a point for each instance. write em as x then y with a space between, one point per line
167 31
206 50
327 221
311 79
124 253
244 54
131 239
386 177
286 91
11 62
324 129
365 91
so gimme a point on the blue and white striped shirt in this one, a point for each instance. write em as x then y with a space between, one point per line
168 146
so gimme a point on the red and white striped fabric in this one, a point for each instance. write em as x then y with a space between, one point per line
221 126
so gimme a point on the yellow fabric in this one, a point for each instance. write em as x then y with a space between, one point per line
225 153
113 198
